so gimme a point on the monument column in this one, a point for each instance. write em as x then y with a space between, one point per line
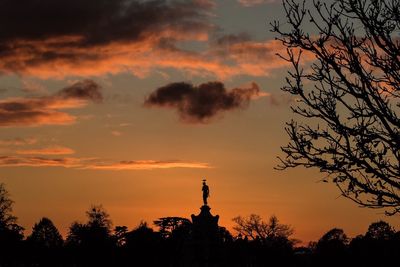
205 233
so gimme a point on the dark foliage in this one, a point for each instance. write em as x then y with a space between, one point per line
45 235
172 226
257 244
45 244
11 234
331 249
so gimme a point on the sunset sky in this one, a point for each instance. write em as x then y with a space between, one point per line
130 104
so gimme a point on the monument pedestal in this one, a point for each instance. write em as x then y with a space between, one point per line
205 237
205 219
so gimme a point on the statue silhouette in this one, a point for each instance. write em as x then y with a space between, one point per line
206 192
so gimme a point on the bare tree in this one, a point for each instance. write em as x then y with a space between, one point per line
348 99
254 227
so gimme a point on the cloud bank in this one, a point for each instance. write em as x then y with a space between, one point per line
56 39
45 110
87 37
199 104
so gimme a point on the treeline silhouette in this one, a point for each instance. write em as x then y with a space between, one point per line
256 243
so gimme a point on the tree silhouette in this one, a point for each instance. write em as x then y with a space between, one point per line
348 99
334 235
45 234
45 244
8 222
11 234
169 225
77 234
258 243
380 230
96 232
378 246
98 217
120 235
142 233
6 217
254 227
333 241
145 246
225 235
264 243
92 243
331 248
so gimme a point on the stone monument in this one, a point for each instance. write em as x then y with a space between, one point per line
205 235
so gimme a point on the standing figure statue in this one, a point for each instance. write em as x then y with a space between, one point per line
206 192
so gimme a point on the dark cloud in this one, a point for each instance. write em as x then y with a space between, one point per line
30 112
87 90
97 21
72 31
199 104
45 110
242 46
229 39
56 39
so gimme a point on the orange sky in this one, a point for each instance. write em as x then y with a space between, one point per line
78 129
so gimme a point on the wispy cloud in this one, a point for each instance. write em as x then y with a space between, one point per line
97 164
148 165
116 133
54 150
200 104
241 55
16 161
18 141
45 110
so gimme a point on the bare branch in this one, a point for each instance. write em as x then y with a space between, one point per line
349 98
